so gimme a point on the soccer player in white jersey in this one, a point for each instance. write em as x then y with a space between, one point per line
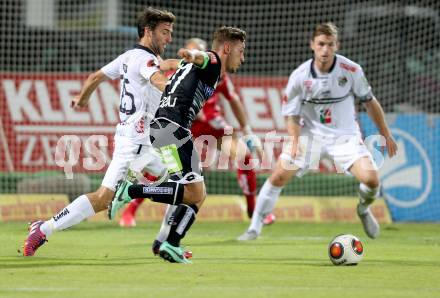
320 116
141 84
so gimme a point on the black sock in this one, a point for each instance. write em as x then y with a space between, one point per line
183 218
166 192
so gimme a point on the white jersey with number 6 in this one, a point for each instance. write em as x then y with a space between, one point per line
139 98
325 102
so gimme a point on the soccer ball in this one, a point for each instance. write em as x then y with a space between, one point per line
345 250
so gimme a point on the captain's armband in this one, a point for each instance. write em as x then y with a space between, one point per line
205 59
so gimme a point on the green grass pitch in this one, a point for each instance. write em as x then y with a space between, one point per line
289 260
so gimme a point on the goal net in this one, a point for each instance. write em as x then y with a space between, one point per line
49 46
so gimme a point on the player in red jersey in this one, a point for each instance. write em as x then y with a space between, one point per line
210 121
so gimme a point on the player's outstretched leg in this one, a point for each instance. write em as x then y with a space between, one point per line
172 193
165 192
366 173
128 217
120 199
366 197
183 218
147 169
74 213
165 230
266 201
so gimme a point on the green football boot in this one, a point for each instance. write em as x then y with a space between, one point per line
120 199
173 254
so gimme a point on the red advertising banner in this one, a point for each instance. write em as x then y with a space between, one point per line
36 115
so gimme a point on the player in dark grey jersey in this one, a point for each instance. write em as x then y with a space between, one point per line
187 90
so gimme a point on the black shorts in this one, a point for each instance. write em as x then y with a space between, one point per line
175 145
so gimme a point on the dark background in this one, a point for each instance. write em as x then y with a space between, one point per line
396 42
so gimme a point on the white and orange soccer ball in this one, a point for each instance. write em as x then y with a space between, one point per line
345 250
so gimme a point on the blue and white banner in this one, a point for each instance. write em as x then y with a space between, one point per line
410 180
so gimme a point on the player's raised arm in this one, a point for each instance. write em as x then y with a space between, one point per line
159 80
376 114
90 84
169 64
194 56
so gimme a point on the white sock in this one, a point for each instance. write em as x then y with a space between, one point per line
74 213
166 226
266 200
366 195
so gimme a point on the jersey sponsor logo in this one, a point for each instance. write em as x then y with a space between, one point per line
325 116
209 91
212 58
342 81
347 67
151 63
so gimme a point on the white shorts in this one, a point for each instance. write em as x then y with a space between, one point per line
130 155
344 151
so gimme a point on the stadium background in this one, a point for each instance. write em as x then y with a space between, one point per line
49 46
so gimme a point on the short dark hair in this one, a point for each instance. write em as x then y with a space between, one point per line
150 17
223 34
328 29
